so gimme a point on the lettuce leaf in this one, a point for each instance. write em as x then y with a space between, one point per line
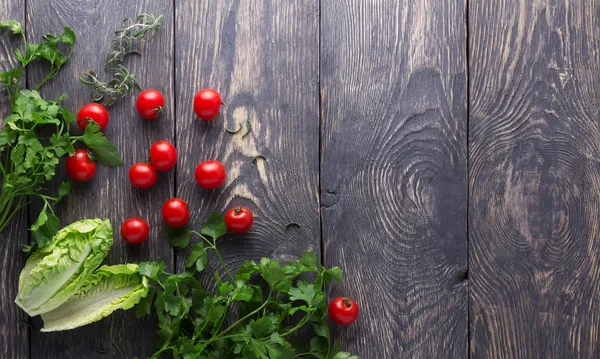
110 288
55 272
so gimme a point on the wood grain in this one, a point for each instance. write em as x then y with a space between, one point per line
14 323
393 173
534 179
262 56
109 194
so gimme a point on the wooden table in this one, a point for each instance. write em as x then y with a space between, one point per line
443 153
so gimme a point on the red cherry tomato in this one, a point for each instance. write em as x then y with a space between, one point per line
207 103
79 166
239 219
210 174
175 212
163 155
135 230
343 310
149 104
142 175
95 112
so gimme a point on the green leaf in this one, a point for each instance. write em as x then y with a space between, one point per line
66 115
63 190
101 148
225 288
62 144
197 257
271 271
304 291
243 293
108 289
144 307
44 228
214 226
332 273
68 37
13 26
265 326
177 237
321 329
171 301
344 355
152 270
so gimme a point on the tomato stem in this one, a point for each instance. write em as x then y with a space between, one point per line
347 303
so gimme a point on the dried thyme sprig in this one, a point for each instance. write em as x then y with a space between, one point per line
121 81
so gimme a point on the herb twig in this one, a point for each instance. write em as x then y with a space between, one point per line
121 80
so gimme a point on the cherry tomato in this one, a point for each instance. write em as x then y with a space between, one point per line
239 219
135 230
343 310
210 174
149 104
95 112
207 103
79 166
163 155
175 212
142 175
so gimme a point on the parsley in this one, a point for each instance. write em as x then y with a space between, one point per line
262 311
29 156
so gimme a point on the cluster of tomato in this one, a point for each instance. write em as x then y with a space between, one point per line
163 156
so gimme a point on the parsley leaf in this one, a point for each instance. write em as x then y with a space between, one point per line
214 226
13 26
304 291
197 257
104 151
44 228
177 237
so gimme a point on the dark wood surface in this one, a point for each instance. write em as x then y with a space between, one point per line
394 172
534 179
381 123
262 57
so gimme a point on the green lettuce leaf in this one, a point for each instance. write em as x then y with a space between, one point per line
110 288
56 271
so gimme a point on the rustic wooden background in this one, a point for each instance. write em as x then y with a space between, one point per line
442 152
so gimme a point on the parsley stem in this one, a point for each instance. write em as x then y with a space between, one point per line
255 311
298 326
213 246
222 262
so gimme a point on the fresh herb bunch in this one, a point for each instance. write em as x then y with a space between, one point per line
29 158
121 80
260 312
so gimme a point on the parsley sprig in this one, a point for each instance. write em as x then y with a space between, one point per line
264 310
29 156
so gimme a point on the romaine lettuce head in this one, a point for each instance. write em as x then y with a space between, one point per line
108 289
55 272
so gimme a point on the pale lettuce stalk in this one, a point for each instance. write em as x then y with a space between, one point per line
108 289
55 272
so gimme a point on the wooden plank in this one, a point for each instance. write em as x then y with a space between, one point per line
393 173
14 331
534 182
262 56
109 194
